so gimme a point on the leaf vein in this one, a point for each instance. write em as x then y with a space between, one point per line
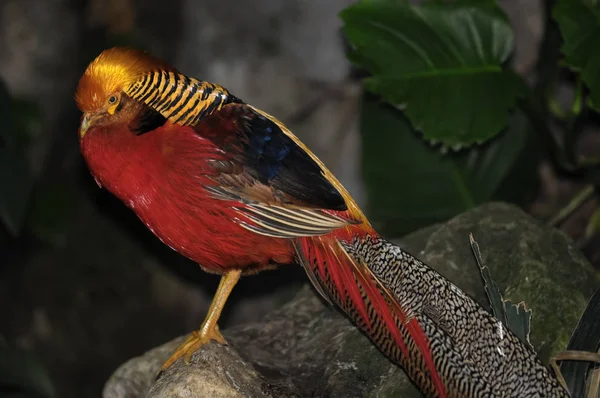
476 37
423 55
451 48
448 72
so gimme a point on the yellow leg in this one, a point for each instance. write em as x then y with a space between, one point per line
209 329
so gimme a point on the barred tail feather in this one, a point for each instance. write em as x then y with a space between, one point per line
475 354
348 282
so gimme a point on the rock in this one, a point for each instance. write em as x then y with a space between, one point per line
528 262
296 351
307 349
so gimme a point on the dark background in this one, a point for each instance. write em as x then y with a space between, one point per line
83 285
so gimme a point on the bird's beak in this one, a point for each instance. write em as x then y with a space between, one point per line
86 123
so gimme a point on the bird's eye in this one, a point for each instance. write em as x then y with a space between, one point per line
113 104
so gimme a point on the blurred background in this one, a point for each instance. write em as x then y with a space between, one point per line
84 286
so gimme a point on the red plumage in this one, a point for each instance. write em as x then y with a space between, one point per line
233 190
161 177
349 289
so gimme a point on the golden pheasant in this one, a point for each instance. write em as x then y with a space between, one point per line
230 187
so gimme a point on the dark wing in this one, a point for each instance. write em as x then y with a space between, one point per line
270 156
284 191
280 188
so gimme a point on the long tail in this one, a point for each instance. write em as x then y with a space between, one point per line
446 342
349 282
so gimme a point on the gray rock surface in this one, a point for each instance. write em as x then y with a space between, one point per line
528 262
307 349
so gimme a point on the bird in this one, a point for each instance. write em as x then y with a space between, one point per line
230 187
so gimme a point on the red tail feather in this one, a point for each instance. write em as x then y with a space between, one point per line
382 306
341 276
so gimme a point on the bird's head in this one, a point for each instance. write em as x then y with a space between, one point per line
100 93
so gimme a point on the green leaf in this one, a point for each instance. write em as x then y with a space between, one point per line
517 317
51 210
27 123
384 1
15 176
518 320
491 289
6 129
579 24
16 183
22 374
411 185
579 375
440 63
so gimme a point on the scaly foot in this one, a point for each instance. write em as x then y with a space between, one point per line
209 330
196 340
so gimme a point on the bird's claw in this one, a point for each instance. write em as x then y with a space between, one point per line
192 344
